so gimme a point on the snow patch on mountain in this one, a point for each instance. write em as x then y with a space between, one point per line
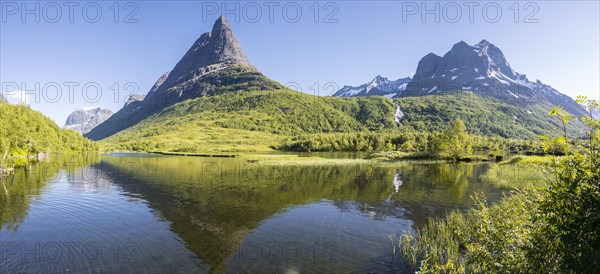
481 68
381 86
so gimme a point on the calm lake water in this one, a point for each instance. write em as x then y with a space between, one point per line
158 214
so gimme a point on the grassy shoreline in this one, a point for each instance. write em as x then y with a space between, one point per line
379 156
193 154
515 165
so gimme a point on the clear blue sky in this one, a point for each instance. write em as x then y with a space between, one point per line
369 38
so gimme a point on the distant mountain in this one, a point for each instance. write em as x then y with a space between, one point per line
214 64
214 100
595 113
481 68
84 120
378 86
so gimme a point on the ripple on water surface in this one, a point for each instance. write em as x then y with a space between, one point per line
74 225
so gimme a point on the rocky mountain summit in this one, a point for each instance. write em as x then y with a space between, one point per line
213 51
86 119
214 64
481 68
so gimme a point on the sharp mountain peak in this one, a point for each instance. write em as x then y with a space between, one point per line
218 48
220 25
214 64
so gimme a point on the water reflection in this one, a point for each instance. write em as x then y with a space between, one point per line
215 204
397 182
26 183
210 214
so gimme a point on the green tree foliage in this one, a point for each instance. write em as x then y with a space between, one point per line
547 228
277 113
488 239
570 239
483 115
27 132
455 142
338 123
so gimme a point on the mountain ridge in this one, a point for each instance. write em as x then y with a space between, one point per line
378 86
481 68
231 106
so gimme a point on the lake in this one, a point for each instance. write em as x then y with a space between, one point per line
156 214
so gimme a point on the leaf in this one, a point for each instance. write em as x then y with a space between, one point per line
581 99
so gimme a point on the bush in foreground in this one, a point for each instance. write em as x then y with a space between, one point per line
547 229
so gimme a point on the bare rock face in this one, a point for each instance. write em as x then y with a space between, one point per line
484 69
481 68
134 98
220 46
161 80
84 120
427 66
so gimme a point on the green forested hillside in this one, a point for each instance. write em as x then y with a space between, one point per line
242 121
260 120
231 80
25 131
483 115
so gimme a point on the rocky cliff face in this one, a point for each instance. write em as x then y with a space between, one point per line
84 120
218 48
161 80
427 67
134 99
483 68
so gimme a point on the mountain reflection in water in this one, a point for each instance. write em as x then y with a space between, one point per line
225 215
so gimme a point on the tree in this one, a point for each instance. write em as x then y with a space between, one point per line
456 141
5 146
569 240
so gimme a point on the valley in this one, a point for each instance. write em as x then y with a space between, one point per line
214 100
466 166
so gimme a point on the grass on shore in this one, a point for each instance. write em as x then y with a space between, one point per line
520 172
471 242
194 139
